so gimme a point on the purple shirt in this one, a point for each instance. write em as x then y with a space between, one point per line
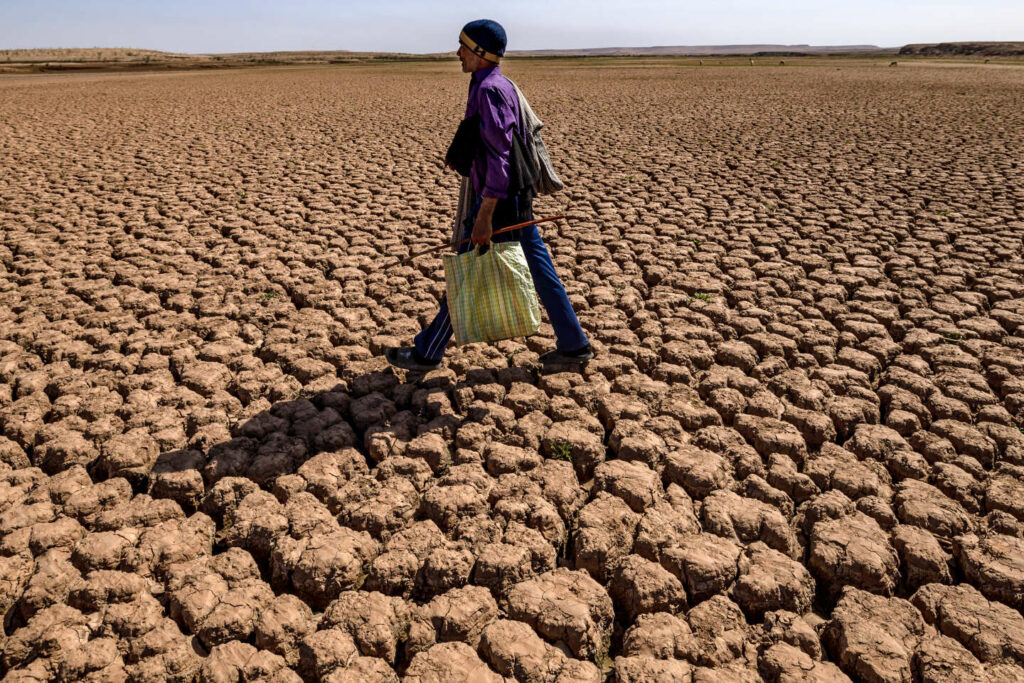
493 98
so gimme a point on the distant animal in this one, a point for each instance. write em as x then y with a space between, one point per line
751 62
782 62
986 61
700 62
893 63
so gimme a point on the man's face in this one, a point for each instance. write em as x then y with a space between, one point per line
470 61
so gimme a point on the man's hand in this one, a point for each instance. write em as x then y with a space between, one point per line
482 228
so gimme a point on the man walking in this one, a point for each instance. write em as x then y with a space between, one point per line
494 102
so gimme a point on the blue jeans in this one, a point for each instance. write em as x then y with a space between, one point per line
569 336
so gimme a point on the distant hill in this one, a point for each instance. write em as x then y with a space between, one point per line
767 49
91 54
977 49
128 59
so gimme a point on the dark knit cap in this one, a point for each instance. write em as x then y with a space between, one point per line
485 38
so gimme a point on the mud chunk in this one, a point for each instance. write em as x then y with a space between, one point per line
364 670
499 566
787 484
722 633
173 541
130 455
218 597
62 533
769 580
959 485
322 565
256 523
324 651
994 564
377 507
876 442
139 511
513 649
745 520
522 499
283 625
629 440
769 435
238 661
432 448
829 505
397 570
697 471
784 663
449 662
967 440
325 473
639 586
816 428
60 448
940 659
1005 491
54 632
573 440
922 559
543 556
737 354
15 571
377 623
853 551
53 579
445 567
607 528
991 630
665 524
568 606
12 454
878 510
637 669
705 563
460 614
178 475
873 638
447 505
371 409
787 627
503 459
662 636
98 659
923 505
837 468
636 483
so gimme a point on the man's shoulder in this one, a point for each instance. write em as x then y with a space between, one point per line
496 82
499 91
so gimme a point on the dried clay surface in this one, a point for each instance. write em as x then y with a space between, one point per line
797 456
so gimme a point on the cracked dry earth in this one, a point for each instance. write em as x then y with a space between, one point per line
797 456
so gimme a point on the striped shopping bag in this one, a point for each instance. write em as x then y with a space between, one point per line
491 295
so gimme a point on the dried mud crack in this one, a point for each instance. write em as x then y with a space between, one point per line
798 455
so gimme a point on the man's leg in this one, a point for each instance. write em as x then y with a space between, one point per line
432 341
569 336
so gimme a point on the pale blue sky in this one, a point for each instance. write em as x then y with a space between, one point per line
410 26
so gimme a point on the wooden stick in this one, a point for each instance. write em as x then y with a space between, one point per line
517 226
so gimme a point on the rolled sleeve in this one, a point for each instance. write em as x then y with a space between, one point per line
497 125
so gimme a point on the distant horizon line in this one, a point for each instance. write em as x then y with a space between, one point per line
706 46
708 49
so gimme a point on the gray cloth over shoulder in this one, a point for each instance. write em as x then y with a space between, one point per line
547 182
